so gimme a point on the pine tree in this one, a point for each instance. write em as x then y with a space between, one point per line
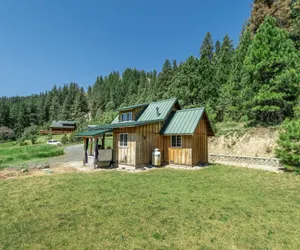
222 72
206 86
231 98
217 47
66 110
164 80
54 109
271 74
288 149
297 108
4 113
185 82
80 106
175 66
281 10
32 111
295 23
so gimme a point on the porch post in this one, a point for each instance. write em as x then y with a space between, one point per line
103 141
91 148
96 152
85 148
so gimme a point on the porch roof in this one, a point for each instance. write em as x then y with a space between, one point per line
122 125
92 133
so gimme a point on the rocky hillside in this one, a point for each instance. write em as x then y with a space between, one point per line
235 139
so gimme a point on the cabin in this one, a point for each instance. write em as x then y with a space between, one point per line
62 127
179 134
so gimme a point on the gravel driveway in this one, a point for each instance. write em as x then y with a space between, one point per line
73 154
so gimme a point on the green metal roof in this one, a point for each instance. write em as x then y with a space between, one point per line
157 111
122 125
63 124
91 133
68 122
132 107
183 122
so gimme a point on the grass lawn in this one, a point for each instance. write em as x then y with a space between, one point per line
108 141
44 138
12 154
215 208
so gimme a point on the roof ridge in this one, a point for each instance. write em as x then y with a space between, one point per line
164 100
132 106
189 109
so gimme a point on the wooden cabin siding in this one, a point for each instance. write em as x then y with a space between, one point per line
135 113
181 156
200 147
61 131
194 148
141 143
125 155
148 137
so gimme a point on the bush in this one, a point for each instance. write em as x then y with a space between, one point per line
6 134
73 138
23 142
65 139
49 136
30 133
288 149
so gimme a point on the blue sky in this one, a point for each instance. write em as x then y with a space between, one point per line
47 42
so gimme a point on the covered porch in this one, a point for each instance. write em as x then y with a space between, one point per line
95 152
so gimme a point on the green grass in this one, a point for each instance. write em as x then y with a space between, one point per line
11 153
215 208
109 142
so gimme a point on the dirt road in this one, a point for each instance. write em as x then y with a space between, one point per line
72 154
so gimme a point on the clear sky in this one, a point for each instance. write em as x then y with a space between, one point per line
47 42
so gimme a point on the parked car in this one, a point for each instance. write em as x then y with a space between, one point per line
54 142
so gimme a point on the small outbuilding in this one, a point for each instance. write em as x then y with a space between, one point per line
179 134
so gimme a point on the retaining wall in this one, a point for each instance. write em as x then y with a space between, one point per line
227 159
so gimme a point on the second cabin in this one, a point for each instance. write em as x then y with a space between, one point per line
179 134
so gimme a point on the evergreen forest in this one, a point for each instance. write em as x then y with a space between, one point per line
256 81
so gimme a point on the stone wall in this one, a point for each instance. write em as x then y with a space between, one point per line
244 160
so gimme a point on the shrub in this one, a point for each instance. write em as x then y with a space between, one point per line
288 149
6 134
49 136
65 139
22 142
73 138
30 133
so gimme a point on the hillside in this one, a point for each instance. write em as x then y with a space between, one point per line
255 81
256 141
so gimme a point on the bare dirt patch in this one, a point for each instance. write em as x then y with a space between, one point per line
13 173
250 142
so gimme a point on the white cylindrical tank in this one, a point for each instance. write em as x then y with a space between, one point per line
156 157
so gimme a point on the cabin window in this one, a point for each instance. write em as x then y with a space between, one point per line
126 117
176 141
123 140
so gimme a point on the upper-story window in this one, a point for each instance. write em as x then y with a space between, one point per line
126 117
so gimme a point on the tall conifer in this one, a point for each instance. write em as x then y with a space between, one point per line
271 74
